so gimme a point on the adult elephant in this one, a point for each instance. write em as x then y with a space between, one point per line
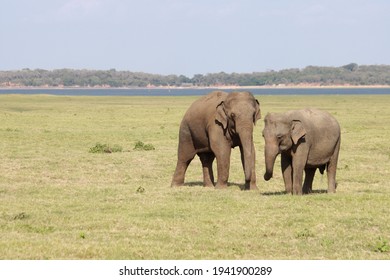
213 125
306 139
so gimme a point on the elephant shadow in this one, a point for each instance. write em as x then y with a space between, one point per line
193 184
285 193
200 184
274 193
242 187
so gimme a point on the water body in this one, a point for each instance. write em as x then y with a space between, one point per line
198 92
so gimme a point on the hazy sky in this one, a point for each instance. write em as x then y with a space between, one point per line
192 36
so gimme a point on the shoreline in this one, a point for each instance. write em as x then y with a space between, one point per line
308 86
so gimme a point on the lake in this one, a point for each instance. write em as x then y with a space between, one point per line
196 92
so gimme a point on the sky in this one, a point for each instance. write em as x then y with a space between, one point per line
188 37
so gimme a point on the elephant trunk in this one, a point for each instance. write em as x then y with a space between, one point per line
247 153
270 151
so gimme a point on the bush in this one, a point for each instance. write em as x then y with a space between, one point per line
105 148
382 245
140 146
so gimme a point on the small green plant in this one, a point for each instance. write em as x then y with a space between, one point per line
382 245
305 233
326 242
105 148
20 216
116 149
141 146
12 130
82 235
140 190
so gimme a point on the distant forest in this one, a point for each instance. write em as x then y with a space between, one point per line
351 74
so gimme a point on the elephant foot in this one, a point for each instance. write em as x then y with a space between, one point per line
332 188
307 190
250 186
288 189
297 192
267 176
176 184
221 186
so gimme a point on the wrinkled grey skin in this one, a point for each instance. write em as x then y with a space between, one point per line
306 139
211 127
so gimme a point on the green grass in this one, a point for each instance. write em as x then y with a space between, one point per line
58 200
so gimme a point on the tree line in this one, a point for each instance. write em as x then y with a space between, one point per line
350 74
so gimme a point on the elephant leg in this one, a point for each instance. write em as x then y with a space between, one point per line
297 181
178 176
308 183
223 166
298 164
299 160
186 153
222 153
207 165
287 172
251 185
331 169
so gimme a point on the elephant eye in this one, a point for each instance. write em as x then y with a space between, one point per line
279 136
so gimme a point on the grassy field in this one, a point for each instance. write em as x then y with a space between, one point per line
62 199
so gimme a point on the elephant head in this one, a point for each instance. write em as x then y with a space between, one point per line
281 133
238 114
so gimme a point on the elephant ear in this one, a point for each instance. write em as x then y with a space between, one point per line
257 115
221 116
297 131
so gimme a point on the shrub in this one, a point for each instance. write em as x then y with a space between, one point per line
382 245
105 148
305 233
20 216
140 190
141 146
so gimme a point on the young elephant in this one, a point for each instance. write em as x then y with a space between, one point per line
306 139
213 125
